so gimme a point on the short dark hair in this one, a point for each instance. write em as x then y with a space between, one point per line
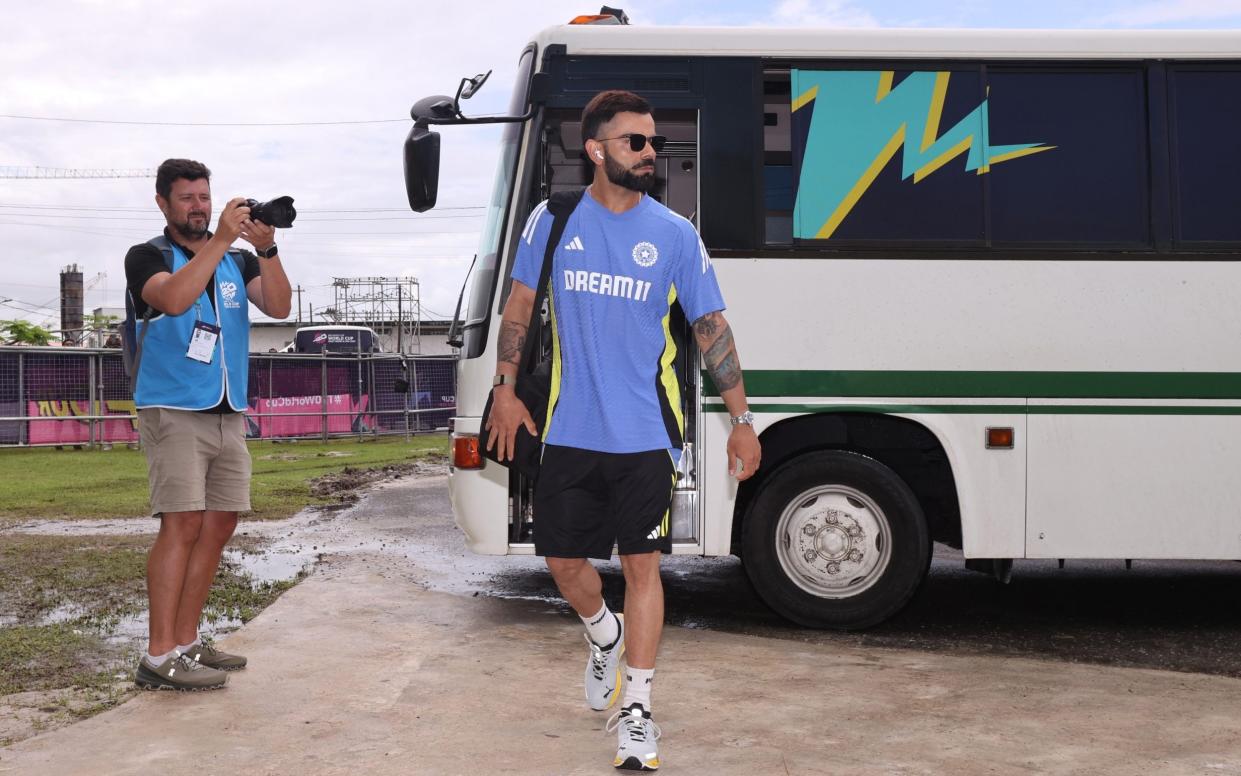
172 169
605 105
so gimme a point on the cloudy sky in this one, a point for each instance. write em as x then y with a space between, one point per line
311 99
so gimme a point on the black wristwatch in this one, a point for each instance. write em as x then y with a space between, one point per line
267 254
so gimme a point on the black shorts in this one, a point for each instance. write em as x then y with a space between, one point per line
586 501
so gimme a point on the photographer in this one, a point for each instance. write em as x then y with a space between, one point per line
193 325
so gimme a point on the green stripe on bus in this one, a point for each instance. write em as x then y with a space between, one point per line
988 409
984 385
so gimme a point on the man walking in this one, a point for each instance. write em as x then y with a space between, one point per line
614 426
191 294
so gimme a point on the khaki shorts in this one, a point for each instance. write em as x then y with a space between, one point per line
196 460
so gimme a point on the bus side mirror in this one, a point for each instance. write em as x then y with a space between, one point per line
422 168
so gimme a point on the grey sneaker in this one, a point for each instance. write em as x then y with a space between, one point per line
178 673
636 734
603 672
205 653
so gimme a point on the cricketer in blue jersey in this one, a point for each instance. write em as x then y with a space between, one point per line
614 422
613 281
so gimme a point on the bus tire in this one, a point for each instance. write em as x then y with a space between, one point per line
835 539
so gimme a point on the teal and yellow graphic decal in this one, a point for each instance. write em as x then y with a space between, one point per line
859 120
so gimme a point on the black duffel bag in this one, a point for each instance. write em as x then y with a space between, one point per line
534 374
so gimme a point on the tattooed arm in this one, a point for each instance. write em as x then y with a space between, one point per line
719 352
715 341
507 411
512 343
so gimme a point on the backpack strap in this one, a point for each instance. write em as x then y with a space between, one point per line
561 205
165 249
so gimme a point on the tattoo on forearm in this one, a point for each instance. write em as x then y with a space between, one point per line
727 374
706 326
512 342
719 349
720 353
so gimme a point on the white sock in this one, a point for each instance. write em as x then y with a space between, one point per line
638 686
191 645
154 661
602 626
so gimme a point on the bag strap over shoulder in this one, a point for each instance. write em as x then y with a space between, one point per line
561 205
165 249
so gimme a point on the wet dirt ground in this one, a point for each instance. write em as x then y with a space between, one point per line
263 558
392 586
1176 615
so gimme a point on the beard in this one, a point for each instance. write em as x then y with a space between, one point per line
627 178
188 230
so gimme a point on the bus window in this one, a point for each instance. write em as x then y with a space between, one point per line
1206 157
1090 184
777 159
887 156
964 156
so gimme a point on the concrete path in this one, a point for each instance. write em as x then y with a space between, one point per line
362 670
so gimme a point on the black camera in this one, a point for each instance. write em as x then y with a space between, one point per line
278 212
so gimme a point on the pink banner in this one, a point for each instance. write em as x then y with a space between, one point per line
278 417
74 431
281 417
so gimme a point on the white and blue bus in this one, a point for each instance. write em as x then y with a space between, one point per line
984 285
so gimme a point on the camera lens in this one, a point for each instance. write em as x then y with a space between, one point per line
278 212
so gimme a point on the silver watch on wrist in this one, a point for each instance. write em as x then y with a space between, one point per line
745 418
503 380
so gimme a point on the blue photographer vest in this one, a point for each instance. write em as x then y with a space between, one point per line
167 377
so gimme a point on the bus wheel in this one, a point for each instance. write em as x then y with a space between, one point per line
836 540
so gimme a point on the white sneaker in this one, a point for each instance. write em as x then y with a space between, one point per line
603 671
636 734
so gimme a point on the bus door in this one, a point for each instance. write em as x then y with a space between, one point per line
564 166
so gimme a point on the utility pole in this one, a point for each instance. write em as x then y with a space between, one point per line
299 302
400 320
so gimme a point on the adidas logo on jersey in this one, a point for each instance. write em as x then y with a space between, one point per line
575 245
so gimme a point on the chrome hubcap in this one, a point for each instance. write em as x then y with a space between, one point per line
833 541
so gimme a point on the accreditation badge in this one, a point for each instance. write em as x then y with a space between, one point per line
202 342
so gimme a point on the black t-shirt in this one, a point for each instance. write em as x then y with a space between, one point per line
144 261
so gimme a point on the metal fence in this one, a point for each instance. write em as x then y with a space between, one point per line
81 396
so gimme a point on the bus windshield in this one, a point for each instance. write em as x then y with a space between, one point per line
483 279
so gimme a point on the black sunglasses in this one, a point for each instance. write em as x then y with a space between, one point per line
638 141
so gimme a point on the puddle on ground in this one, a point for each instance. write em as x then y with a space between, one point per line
123 526
272 563
264 551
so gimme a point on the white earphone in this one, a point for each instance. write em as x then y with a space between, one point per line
598 154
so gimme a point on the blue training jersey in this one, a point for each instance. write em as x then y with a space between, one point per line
614 278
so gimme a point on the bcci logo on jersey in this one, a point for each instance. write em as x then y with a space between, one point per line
645 254
229 290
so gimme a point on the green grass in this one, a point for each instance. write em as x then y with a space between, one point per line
100 577
51 483
77 668
44 657
236 595
89 583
